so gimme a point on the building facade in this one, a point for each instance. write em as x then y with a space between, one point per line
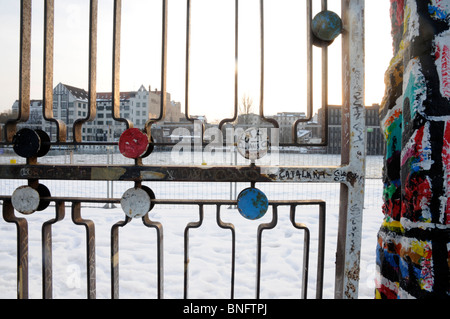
71 103
374 137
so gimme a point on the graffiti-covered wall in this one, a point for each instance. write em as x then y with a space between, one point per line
413 241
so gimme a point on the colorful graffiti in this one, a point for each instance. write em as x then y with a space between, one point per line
414 239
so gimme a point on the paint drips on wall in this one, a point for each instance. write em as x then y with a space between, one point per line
413 241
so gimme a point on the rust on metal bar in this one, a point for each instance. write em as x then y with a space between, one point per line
306 242
47 267
186 248
162 112
116 65
229 226
262 227
236 69
24 70
261 89
90 248
22 248
61 129
115 256
160 253
200 173
309 88
92 94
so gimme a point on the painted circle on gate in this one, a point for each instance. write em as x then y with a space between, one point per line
253 143
326 25
26 143
25 200
135 202
252 203
133 143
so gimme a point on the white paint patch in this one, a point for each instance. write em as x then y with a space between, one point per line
25 200
442 55
414 86
411 21
135 202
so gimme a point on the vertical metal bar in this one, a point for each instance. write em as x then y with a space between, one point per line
186 249
310 83
233 246
261 227
236 63
187 72
24 70
261 90
187 61
116 65
92 94
90 248
47 268
353 150
22 248
160 252
321 251
162 112
306 245
115 257
61 129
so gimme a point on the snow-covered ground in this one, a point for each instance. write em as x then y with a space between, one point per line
210 245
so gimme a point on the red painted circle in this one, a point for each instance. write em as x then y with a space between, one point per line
133 143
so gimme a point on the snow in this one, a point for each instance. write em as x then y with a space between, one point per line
209 245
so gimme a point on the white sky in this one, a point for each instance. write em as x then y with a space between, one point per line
212 61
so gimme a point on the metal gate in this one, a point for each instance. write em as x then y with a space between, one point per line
136 144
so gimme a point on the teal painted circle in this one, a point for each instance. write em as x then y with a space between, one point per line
326 25
252 203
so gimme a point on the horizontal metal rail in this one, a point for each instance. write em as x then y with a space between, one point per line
198 173
60 208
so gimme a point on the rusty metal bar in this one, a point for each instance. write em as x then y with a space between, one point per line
22 248
116 65
261 97
24 70
47 267
306 253
233 246
262 227
277 174
115 256
186 248
90 248
162 113
309 85
236 68
160 253
92 93
61 129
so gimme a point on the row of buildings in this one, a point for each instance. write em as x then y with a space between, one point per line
71 103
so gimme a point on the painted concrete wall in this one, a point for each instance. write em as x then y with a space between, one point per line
413 241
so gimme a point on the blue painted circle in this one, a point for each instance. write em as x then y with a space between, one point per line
252 203
326 25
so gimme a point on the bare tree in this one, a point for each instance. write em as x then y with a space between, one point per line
246 105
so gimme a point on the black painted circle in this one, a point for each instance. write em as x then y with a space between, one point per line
26 143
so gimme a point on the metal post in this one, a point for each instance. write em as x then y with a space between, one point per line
353 150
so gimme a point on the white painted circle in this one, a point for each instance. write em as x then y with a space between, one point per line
25 200
135 202
253 143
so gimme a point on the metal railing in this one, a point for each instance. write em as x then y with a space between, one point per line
350 174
